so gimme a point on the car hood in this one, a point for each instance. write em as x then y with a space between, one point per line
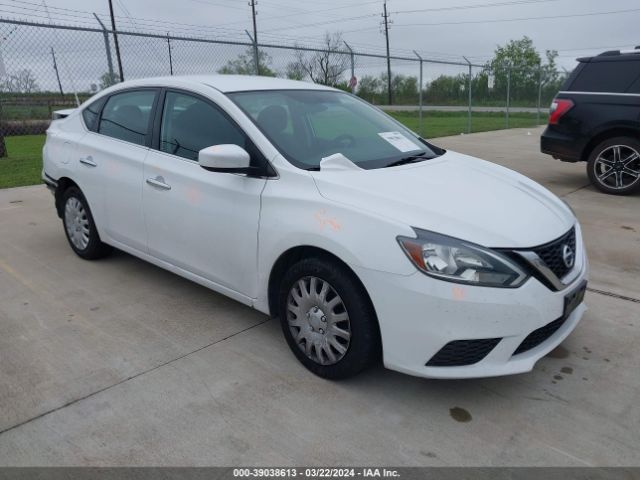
455 195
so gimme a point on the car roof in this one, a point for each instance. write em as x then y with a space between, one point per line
226 83
613 56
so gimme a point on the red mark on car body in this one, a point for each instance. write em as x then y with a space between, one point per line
324 220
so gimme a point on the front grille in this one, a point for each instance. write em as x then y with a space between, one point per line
538 336
551 253
463 352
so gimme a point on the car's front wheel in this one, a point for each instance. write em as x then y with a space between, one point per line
327 318
614 166
80 227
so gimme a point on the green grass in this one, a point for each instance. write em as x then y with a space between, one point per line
442 124
23 165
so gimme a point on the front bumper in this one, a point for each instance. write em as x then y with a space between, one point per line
419 315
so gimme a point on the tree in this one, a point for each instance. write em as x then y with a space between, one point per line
448 89
326 66
295 71
520 61
374 89
22 81
245 64
369 88
107 79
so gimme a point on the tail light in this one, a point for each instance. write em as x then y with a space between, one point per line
559 107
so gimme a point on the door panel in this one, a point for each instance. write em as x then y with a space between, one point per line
200 221
116 169
114 158
203 222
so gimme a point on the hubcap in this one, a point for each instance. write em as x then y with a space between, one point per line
618 167
76 223
318 320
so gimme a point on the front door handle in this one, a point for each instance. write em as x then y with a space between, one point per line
88 161
158 182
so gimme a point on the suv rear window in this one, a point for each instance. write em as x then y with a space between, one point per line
605 76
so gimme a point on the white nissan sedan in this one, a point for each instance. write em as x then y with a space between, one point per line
308 204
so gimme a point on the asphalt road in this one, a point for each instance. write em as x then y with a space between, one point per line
117 362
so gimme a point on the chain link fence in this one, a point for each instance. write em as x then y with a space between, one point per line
45 67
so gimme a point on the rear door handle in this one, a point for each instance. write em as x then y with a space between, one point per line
88 161
158 182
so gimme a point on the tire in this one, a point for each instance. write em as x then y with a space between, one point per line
614 166
323 329
79 226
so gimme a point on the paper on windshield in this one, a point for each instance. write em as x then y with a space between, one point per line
399 141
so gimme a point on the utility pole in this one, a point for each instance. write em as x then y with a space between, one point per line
253 4
170 59
469 87
107 48
385 15
55 67
115 40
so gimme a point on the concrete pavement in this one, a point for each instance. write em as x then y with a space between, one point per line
117 362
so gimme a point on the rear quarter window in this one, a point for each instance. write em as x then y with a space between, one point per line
606 76
91 113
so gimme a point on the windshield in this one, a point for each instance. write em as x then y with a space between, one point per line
309 125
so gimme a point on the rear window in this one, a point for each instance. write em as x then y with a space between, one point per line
605 76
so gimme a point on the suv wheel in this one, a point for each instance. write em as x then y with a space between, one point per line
79 226
327 319
614 166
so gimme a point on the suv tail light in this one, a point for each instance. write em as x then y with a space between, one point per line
559 107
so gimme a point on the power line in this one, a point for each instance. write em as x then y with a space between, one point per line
315 11
327 22
511 19
477 5
153 25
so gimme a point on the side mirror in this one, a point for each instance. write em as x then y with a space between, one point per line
225 158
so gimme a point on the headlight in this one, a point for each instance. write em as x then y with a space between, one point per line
454 260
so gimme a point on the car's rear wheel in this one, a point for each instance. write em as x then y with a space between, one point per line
614 166
80 227
327 318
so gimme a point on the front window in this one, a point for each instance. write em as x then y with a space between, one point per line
190 124
309 125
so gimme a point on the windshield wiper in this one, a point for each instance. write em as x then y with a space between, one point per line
418 157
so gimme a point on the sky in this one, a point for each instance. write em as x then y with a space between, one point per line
435 28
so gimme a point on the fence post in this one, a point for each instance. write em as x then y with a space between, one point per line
419 95
256 57
508 93
469 114
107 48
170 57
3 145
353 68
539 93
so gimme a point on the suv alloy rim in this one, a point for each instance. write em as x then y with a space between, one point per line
318 320
618 167
76 223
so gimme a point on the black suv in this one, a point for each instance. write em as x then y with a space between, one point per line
595 118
